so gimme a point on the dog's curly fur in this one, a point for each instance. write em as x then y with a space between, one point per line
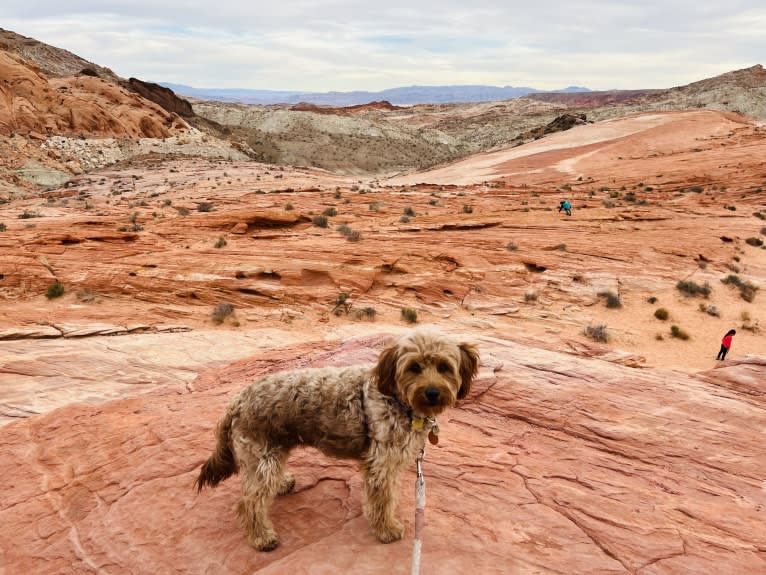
358 412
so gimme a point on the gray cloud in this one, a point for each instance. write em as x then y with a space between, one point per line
345 45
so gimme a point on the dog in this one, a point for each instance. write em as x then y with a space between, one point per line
379 415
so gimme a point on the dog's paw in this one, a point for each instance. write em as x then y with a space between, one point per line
390 532
288 484
267 541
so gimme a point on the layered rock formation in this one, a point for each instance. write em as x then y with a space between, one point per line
554 464
33 104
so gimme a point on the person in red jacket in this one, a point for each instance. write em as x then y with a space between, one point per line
726 344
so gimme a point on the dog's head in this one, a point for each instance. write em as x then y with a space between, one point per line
427 371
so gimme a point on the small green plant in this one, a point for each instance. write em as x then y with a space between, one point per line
221 312
320 221
661 313
54 290
220 242
342 304
690 288
597 332
409 315
677 332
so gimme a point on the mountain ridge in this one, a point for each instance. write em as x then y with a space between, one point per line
404 95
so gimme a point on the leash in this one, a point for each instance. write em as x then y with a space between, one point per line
420 512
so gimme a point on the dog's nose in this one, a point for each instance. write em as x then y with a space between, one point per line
432 395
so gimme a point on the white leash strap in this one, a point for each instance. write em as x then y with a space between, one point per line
420 510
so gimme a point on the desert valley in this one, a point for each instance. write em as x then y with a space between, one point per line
158 254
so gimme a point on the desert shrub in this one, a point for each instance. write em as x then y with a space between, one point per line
3 227
374 206
763 231
220 242
561 247
629 197
690 288
746 289
342 304
467 209
205 207
677 332
597 332
697 189
330 212
608 204
354 236
221 312
54 290
531 295
651 299
408 211
755 242
710 310
343 229
612 299
26 214
336 195
182 211
409 315
661 313
511 247
289 207
320 221
404 219
366 313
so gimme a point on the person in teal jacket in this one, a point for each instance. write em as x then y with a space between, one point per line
566 206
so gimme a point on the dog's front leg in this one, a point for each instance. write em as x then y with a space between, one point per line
381 478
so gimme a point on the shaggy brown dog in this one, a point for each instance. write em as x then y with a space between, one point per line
380 416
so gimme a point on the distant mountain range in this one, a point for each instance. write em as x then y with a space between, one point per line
398 96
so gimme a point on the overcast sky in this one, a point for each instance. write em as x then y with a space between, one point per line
323 45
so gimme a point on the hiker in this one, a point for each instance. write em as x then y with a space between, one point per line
726 344
566 206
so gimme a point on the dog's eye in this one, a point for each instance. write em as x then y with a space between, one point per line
415 368
442 367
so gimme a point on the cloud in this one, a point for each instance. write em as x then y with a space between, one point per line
343 45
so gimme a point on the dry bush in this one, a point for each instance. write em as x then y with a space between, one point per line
597 332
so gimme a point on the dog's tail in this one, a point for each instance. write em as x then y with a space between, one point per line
221 464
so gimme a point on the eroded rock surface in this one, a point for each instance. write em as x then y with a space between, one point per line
554 464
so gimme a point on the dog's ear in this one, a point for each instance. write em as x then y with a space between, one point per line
385 371
469 367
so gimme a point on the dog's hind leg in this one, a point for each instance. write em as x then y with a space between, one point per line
262 471
380 485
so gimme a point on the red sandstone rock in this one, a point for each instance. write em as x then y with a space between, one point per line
553 464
